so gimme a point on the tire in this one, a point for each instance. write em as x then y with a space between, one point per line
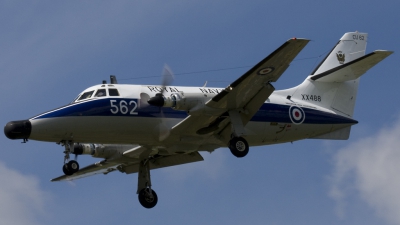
145 199
73 166
66 171
239 147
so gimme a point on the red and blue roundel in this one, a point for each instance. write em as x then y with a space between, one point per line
296 114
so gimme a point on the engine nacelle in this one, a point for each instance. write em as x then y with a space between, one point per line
192 103
185 101
100 151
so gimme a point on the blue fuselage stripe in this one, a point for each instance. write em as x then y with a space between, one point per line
268 112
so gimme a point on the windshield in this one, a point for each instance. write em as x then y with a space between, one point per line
102 92
86 95
76 98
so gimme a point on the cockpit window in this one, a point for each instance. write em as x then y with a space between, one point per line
75 98
100 93
113 92
86 95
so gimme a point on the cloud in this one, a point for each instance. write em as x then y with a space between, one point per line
371 168
21 200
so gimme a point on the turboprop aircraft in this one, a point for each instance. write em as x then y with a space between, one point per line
136 128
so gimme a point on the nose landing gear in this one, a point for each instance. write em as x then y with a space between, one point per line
70 166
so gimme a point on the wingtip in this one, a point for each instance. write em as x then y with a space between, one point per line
60 178
388 52
298 39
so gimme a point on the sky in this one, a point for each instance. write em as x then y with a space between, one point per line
52 50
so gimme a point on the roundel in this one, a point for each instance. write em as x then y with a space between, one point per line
296 114
266 70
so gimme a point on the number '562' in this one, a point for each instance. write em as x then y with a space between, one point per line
123 107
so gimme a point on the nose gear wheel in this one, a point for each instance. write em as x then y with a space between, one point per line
70 166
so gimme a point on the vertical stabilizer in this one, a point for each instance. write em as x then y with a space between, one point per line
333 85
350 47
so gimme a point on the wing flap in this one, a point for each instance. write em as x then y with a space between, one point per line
166 161
353 69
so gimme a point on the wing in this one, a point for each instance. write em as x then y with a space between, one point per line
129 163
244 96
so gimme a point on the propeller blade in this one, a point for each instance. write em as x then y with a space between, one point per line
167 77
164 131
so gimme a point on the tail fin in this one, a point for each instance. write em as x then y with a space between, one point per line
334 83
350 47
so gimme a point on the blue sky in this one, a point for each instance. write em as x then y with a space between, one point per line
50 51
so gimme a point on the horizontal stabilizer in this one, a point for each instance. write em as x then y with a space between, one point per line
353 69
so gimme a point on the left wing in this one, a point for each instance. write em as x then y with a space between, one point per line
129 163
245 95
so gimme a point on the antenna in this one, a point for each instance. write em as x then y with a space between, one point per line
113 79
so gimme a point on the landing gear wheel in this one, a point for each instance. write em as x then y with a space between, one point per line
73 166
66 171
147 199
239 147
70 168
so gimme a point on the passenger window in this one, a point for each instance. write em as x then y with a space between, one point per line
113 92
100 93
86 95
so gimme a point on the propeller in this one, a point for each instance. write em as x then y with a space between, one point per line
158 100
167 78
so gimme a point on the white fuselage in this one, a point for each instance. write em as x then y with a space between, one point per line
128 119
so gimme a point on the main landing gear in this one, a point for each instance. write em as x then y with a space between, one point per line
239 147
147 196
70 166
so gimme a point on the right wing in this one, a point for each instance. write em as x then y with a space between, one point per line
247 93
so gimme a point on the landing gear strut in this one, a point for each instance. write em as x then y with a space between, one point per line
147 197
70 166
239 147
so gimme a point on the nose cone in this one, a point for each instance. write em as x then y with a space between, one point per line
20 129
